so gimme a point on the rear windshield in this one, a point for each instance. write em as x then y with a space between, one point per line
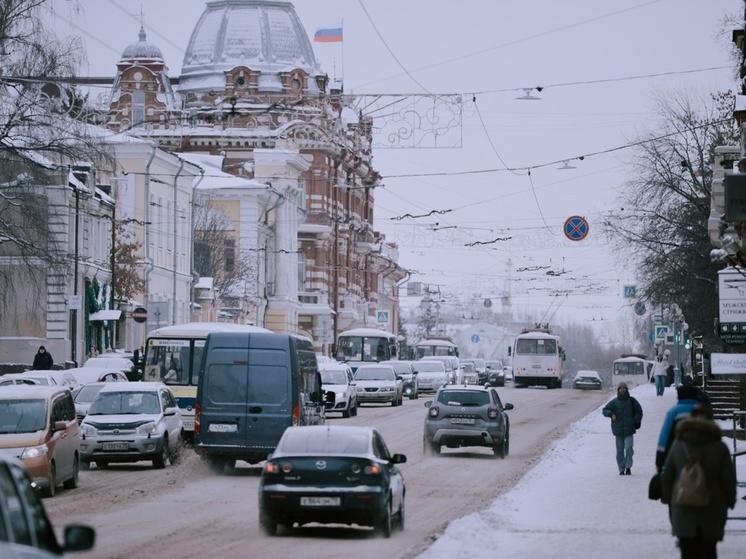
22 416
264 384
324 441
429 367
463 398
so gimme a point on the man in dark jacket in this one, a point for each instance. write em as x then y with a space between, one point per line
42 360
626 417
700 528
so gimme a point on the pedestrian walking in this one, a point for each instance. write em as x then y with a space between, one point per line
626 417
660 373
688 396
698 529
42 360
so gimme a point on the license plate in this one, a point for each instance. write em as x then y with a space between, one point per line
223 428
320 501
463 420
116 446
188 425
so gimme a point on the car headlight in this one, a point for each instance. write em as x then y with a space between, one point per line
34 451
387 389
150 428
360 389
87 430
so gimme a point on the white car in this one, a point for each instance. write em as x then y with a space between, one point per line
337 378
129 422
431 374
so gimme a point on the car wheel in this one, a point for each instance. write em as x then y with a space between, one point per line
346 412
499 449
507 441
216 465
394 402
159 462
176 451
72 483
52 489
354 409
384 525
267 524
84 465
434 448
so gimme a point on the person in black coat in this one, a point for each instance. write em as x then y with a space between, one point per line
42 360
626 417
700 528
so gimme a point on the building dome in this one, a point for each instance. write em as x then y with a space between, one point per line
142 50
264 35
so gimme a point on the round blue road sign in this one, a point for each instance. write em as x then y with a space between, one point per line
475 338
576 228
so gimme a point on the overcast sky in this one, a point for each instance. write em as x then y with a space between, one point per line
600 66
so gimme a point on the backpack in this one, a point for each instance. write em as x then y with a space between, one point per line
691 488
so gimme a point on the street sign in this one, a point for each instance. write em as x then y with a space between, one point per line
139 315
639 308
475 338
75 302
732 295
576 228
661 331
630 291
382 317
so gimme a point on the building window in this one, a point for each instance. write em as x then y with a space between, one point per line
301 272
230 255
138 108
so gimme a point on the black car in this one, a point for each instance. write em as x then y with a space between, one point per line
463 416
408 375
332 474
495 373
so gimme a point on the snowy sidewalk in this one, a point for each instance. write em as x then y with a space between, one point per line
575 504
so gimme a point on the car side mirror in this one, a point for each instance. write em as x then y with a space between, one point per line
508 406
428 403
398 459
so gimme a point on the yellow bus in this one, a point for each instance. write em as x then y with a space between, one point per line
173 355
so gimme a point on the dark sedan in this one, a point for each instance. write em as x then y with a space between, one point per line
332 474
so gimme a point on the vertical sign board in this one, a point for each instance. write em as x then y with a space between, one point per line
732 295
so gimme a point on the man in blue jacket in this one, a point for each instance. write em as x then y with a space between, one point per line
626 417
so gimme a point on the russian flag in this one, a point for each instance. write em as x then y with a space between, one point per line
330 34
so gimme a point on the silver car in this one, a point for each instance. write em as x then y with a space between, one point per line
378 384
431 374
337 378
129 422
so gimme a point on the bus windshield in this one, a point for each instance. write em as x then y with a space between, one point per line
171 361
535 346
351 347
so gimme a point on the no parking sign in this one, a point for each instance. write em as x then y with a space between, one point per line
576 228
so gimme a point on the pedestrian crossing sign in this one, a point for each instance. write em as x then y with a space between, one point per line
661 332
382 317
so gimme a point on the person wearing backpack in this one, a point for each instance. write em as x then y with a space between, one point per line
699 523
626 417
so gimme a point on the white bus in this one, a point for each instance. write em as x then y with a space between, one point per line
632 369
365 345
538 358
173 355
435 346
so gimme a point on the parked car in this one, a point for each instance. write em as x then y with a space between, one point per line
337 378
468 373
52 378
587 380
16 378
25 528
431 374
410 383
332 474
463 416
495 373
83 396
38 427
84 375
129 422
379 384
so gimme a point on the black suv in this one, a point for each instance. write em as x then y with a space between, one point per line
463 416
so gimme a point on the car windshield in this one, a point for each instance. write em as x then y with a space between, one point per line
463 398
323 441
374 374
333 377
116 403
86 394
22 416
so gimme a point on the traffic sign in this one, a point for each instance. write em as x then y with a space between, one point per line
576 228
640 308
140 314
382 317
630 291
661 332
475 338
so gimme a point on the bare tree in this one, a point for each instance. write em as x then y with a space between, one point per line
127 281
44 133
662 220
